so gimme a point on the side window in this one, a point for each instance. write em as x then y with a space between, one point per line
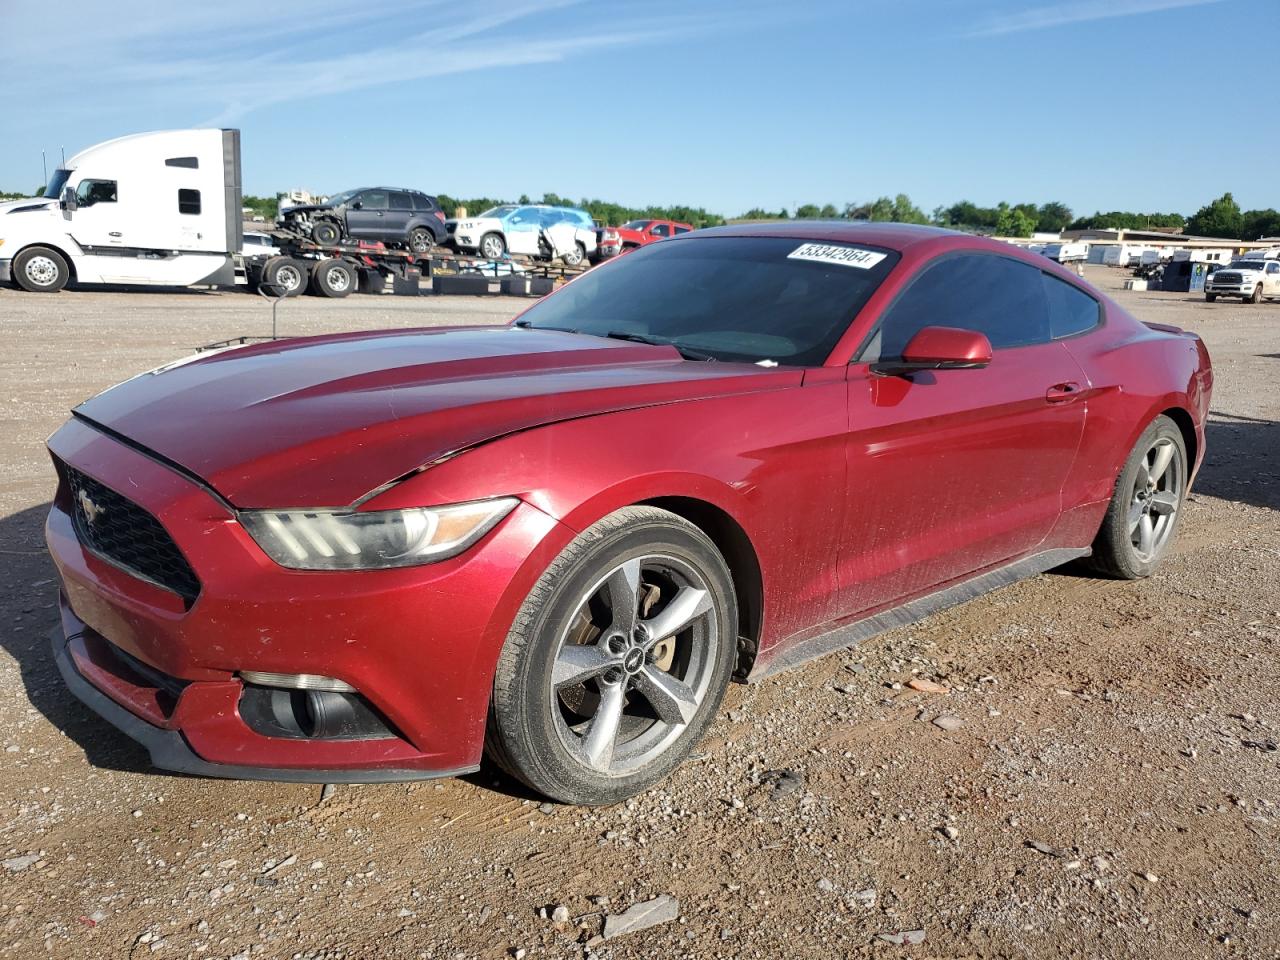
661 230
1273 268
993 295
1071 310
423 203
90 192
188 201
400 201
373 200
680 230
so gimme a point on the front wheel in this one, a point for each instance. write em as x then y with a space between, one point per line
1210 297
1143 515
40 270
617 661
492 246
326 233
1256 297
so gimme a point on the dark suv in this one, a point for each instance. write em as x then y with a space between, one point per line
405 217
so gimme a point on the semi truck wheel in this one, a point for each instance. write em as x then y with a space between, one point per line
40 270
285 274
371 281
333 278
326 232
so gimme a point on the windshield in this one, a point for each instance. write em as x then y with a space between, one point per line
499 212
745 299
1246 265
343 197
56 183
636 224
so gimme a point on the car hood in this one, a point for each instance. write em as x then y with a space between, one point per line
306 208
27 205
325 421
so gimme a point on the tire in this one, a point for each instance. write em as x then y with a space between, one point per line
421 240
578 255
285 273
326 232
492 246
1256 296
546 705
1210 297
40 270
333 278
1156 505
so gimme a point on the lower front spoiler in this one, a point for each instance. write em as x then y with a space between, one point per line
169 751
6 271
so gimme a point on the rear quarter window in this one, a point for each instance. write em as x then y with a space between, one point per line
1071 310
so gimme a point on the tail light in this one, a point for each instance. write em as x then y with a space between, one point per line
439 215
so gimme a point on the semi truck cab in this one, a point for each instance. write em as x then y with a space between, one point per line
161 208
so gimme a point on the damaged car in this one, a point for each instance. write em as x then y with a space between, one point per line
381 556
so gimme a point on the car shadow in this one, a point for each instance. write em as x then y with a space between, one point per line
1242 460
29 609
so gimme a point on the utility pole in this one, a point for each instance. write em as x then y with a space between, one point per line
44 168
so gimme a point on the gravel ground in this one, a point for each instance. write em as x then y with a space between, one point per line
1104 782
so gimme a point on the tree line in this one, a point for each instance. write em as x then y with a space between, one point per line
1219 218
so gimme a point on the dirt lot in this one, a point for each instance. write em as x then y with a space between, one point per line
1128 729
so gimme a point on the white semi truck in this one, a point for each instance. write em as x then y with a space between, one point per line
158 208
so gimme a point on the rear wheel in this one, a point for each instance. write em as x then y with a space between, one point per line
285 275
421 240
1256 296
333 278
618 660
1143 515
326 232
576 255
492 246
40 270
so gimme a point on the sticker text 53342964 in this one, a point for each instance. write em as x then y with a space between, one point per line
837 254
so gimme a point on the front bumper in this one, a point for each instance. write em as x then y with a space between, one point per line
419 644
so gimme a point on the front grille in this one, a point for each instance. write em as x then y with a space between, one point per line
120 531
1226 278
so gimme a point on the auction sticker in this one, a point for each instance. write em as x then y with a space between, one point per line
833 253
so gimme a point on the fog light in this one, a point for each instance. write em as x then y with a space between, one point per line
296 681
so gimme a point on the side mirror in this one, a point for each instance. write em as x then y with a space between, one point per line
69 199
939 348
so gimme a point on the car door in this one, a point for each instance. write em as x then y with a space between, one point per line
399 211
1271 279
954 471
523 227
367 215
99 219
659 231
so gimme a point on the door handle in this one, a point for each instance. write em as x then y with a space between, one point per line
1062 392
115 233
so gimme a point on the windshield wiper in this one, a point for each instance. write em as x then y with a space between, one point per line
687 352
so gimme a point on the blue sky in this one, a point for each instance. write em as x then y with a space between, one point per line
1101 104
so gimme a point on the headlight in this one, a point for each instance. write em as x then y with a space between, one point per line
347 540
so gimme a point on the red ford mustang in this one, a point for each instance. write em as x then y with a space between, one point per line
372 556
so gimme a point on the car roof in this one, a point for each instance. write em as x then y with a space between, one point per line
894 236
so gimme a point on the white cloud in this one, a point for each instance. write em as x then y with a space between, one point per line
1082 11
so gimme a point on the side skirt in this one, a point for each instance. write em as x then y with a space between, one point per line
914 610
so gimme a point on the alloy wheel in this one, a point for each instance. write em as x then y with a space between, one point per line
1156 497
634 663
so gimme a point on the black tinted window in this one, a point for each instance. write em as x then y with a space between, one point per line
661 230
735 298
373 200
422 202
400 201
188 201
189 163
682 229
90 192
996 296
1071 311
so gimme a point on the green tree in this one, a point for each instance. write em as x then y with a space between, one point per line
1220 218
899 209
1014 221
808 211
1053 217
1260 223
828 212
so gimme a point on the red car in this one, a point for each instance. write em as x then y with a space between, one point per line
372 556
611 241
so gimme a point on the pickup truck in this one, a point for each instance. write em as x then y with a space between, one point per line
1251 279
611 241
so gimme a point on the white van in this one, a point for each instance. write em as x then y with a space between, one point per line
152 208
